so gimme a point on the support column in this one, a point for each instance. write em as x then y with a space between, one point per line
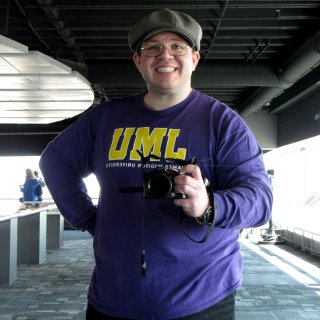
8 251
32 240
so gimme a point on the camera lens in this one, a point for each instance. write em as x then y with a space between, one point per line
160 185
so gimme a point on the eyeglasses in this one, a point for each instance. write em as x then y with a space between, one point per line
175 49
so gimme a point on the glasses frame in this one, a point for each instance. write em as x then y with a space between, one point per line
162 47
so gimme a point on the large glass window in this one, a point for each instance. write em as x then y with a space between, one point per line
13 175
296 184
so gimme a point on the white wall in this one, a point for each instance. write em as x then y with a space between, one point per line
296 184
264 127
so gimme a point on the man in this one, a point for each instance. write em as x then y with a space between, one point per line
162 258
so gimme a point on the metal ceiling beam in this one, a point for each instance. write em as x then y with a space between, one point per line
7 15
216 30
265 15
187 5
299 65
301 89
65 34
31 27
30 129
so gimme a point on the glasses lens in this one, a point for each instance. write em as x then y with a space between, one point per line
177 49
152 50
156 49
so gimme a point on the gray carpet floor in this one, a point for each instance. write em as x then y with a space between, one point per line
280 283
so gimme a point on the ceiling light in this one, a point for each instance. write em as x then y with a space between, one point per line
10 46
35 88
35 62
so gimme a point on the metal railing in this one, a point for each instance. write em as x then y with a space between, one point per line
305 240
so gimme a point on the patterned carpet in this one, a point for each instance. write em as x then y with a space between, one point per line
280 283
55 290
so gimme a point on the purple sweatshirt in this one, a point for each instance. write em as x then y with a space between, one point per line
183 277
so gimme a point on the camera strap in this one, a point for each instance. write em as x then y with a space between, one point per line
210 226
206 235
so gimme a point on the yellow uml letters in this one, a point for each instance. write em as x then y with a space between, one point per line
145 142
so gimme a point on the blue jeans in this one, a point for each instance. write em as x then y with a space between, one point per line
223 310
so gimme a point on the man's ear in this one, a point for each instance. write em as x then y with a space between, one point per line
136 58
195 59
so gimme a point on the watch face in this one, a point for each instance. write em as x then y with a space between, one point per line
208 216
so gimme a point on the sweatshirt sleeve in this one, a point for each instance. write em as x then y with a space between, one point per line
242 189
64 163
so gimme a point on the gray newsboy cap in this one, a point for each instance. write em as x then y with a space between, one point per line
165 20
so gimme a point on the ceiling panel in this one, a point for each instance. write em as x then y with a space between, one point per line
35 62
30 77
10 46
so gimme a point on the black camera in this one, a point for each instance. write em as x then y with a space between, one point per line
159 184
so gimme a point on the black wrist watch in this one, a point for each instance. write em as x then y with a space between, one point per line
208 216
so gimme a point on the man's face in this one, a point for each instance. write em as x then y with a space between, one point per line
166 73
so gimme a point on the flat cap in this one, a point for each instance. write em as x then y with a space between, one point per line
165 20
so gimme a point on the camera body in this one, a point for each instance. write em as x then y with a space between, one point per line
159 184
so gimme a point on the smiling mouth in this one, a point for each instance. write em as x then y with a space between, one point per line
166 69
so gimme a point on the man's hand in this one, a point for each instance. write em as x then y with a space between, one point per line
190 182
